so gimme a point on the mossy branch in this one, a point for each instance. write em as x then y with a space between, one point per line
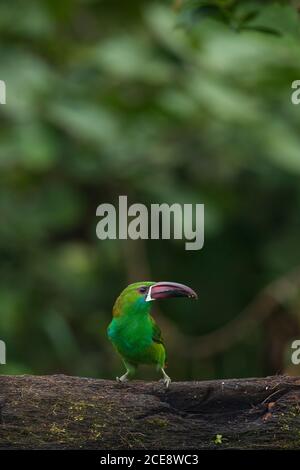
61 412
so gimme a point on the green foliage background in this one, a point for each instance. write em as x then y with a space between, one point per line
185 103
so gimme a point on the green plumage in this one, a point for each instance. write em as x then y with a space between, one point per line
133 331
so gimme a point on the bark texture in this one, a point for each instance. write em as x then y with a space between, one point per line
61 412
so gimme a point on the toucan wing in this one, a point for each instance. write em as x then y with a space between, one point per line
156 333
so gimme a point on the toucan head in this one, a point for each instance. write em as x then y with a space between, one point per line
140 293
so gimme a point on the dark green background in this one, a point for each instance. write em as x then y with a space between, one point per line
192 106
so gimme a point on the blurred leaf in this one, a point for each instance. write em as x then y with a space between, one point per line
36 23
281 19
85 121
28 79
127 58
283 141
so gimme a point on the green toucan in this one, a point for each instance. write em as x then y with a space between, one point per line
133 331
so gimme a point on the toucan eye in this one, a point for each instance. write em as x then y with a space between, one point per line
142 290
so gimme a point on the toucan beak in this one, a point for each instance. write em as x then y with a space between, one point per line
166 290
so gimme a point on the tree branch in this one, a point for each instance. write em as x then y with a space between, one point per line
60 412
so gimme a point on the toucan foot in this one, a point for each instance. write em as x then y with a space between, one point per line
122 379
166 381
